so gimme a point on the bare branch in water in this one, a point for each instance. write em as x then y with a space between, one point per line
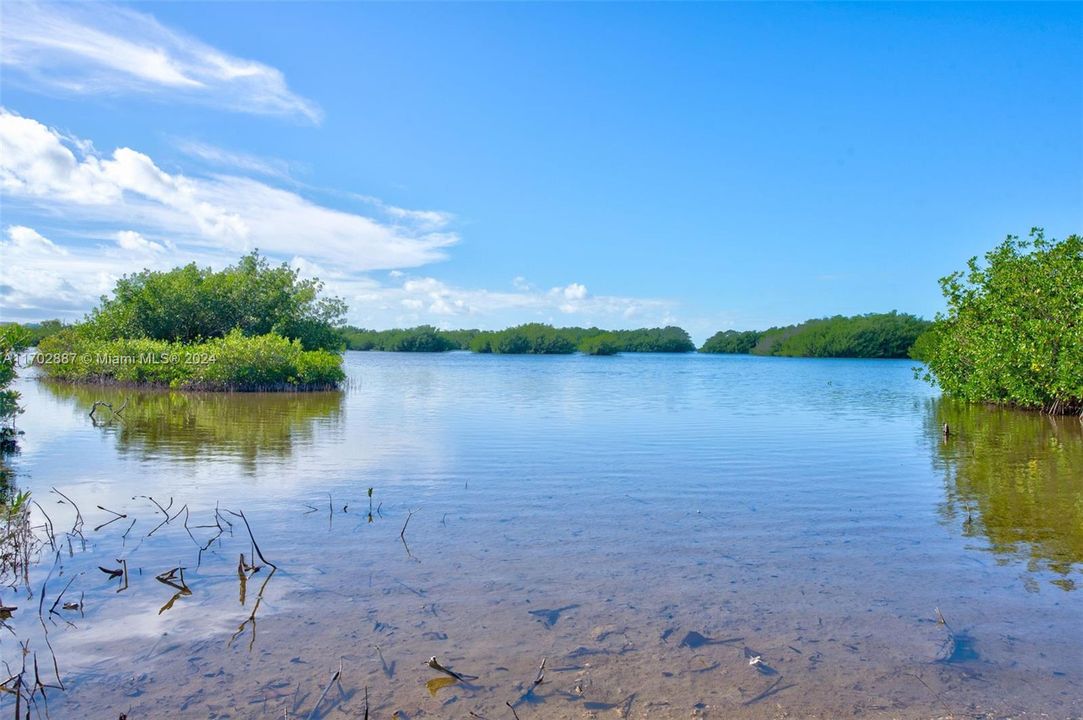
324 693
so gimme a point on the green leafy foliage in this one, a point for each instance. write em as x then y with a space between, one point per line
529 339
13 340
424 338
532 338
605 344
252 326
1013 330
233 362
669 339
731 341
189 304
875 335
36 332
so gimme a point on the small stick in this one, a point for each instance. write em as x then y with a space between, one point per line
78 515
56 602
41 619
49 521
219 516
165 510
109 522
408 516
324 693
252 537
766 693
435 665
934 692
541 673
124 564
510 707
389 670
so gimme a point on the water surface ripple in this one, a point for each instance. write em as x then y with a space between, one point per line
649 524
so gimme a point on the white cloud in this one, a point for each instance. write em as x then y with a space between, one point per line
428 219
225 212
271 167
119 212
27 241
134 242
575 291
34 161
40 279
103 48
417 300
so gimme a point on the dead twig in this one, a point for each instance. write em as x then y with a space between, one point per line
541 673
52 610
435 665
935 694
324 693
77 528
252 537
402 533
768 692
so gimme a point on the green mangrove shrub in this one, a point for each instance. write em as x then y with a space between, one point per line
1012 332
234 362
190 304
606 344
873 335
13 340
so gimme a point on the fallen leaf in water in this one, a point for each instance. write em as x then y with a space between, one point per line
436 684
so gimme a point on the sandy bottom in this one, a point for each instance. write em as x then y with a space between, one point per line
631 633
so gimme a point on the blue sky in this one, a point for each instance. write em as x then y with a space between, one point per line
715 166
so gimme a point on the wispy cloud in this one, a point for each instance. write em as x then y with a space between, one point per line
54 174
425 218
40 278
411 300
44 277
222 158
89 48
86 217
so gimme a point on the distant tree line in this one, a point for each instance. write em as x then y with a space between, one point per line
35 332
874 335
531 338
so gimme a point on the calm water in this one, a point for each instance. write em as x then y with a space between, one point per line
648 524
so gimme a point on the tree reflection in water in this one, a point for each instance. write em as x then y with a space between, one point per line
201 426
1016 479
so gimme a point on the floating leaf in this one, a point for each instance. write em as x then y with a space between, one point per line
437 683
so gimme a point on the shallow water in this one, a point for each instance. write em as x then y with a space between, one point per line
648 524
